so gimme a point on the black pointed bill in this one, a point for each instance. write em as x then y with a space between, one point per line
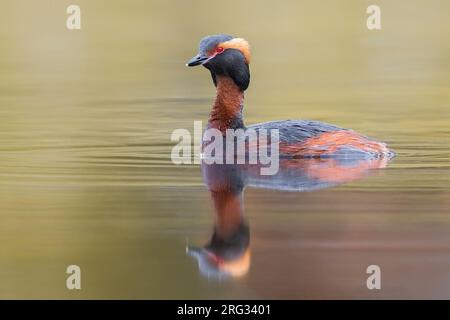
197 60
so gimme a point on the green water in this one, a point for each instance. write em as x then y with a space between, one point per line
85 170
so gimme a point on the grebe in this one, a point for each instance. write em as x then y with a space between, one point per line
228 60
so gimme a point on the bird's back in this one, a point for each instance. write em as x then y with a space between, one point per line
305 138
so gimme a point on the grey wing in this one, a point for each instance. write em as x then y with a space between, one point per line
292 131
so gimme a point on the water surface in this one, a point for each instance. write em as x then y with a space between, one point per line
85 170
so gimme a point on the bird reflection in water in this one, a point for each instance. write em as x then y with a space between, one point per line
227 254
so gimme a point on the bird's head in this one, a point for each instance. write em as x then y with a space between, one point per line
225 55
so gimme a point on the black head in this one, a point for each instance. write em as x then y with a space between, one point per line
224 257
225 55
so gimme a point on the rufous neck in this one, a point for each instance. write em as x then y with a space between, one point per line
229 211
227 108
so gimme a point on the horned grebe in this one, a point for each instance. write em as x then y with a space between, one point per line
228 60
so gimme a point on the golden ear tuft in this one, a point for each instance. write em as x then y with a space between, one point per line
238 267
240 44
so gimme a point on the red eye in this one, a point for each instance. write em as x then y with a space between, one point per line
219 50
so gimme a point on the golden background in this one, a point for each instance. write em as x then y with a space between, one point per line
85 170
